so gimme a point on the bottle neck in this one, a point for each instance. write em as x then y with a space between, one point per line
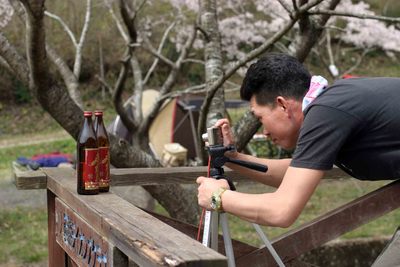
88 121
87 130
99 127
99 119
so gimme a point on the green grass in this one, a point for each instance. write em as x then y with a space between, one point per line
23 231
23 235
7 155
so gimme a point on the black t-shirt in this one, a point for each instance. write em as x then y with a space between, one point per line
354 124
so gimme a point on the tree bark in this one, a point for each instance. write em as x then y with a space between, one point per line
310 31
212 59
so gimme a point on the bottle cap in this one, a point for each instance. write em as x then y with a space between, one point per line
98 112
87 113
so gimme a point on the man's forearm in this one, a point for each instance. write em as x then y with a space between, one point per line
265 209
274 175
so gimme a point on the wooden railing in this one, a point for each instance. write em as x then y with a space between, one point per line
92 230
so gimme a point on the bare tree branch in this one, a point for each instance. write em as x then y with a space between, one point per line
170 81
149 47
65 27
117 97
5 65
105 84
310 32
128 17
160 47
197 89
138 92
358 62
36 47
67 75
285 6
78 52
193 60
294 5
354 15
118 22
14 60
71 77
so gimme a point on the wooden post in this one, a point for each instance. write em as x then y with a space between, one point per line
57 255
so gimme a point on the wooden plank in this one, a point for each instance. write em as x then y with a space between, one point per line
78 239
329 226
144 239
180 175
146 176
157 176
27 179
56 253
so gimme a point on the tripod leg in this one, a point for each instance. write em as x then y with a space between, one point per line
206 230
227 240
214 230
268 244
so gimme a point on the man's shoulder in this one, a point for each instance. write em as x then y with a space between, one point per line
353 95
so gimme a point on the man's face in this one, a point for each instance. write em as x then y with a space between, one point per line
281 122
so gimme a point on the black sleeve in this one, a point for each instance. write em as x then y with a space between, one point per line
323 133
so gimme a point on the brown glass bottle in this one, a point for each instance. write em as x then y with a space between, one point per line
104 152
87 158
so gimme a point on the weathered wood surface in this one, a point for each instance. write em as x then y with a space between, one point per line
239 248
78 239
328 226
144 239
56 253
146 176
28 179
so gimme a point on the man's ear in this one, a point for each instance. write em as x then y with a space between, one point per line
281 103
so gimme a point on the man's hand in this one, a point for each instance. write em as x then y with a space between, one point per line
227 136
206 187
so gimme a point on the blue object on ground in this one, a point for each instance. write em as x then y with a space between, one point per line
30 164
51 162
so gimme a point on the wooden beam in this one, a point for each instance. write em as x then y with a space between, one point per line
157 176
329 226
28 179
181 175
145 176
144 239
57 255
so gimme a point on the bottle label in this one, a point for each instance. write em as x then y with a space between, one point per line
104 167
90 179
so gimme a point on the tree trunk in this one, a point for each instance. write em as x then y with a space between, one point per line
212 58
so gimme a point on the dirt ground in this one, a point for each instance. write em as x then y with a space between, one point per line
21 140
11 198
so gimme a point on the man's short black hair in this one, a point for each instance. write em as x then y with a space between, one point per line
274 75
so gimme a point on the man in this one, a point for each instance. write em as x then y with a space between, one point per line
354 124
